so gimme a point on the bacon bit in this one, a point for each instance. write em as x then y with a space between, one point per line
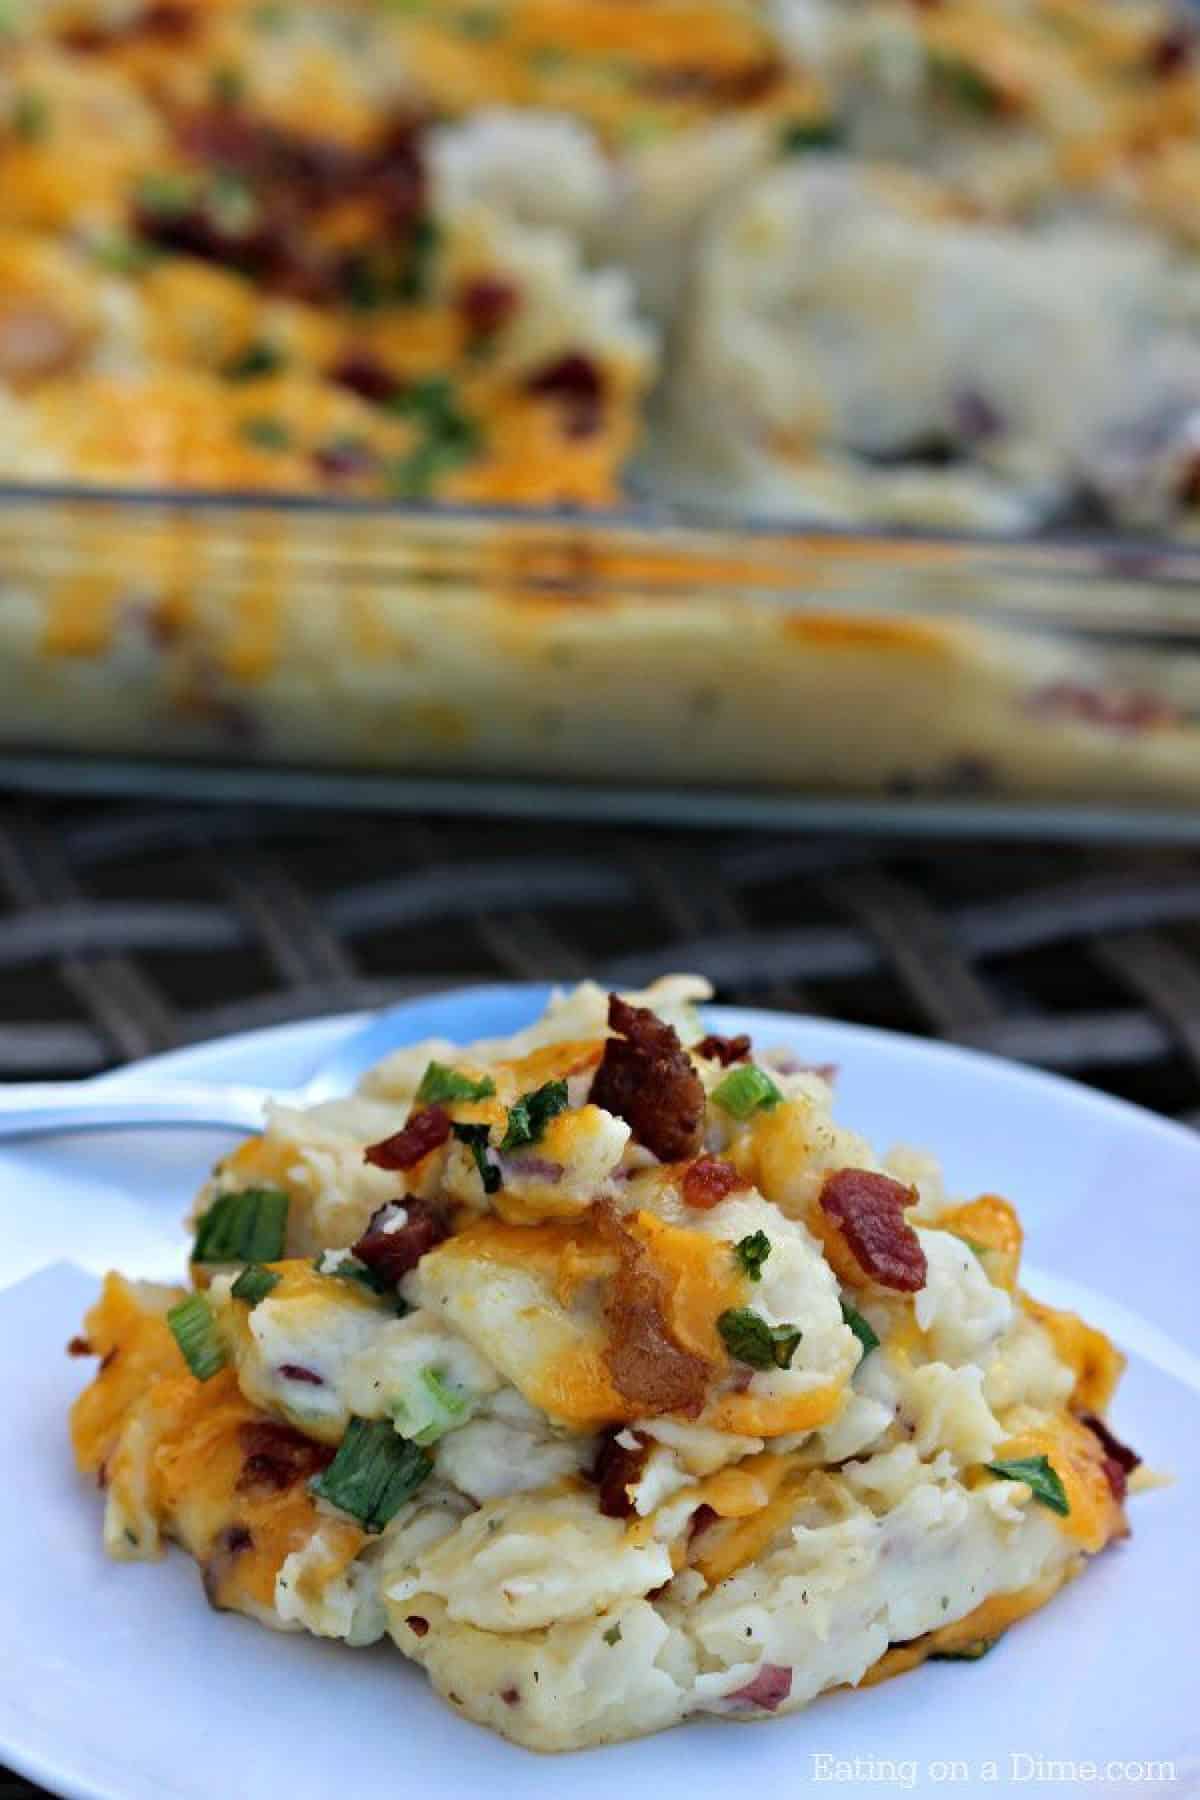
344 459
1111 711
363 374
722 1049
424 1132
615 1470
1119 1460
646 1078
576 382
167 21
227 1546
487 304
868 1209
277 1456
1171 52
644 1362
80 1346
417 1625
511 1696
391 1254
708 1181
297 1372
729 87
768 1690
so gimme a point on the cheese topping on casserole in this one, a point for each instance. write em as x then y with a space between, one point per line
914 263
611 1378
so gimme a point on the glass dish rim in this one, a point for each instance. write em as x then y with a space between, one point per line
1135 555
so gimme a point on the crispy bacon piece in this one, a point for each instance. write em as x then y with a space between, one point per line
79 1346
277 1456
576 383
1172 51
227 1546
363 374
424 1132
701 82
644 1362
417 1625
708 1181
1119 1460
486 304
1107 709
868 1209
722 1049
615 1470
768 1690
391 1250
646 1078
165 22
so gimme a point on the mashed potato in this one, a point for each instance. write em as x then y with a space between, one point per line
611 1378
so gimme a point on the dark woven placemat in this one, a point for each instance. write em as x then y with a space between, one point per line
126 930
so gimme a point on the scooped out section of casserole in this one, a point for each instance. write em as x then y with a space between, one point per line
610 1378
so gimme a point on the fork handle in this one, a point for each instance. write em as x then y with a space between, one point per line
43 1108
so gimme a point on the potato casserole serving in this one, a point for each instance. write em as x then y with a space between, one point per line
610 1378
854 260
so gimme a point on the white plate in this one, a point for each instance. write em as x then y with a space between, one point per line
118 1682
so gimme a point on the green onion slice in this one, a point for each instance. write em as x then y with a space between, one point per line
747 1337
373 1473
861 1329
254 1284
440 1083
1039 1473
477 1139
249 1226
752 1252
195 1331
529 1116
745 1091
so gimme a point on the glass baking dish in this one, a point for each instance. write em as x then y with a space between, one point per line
646 664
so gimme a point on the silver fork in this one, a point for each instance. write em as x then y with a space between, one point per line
35 1108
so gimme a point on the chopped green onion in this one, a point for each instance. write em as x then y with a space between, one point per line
861 1329
963 83
373 1473
195 1331
430 1409
167 194
752 1252
972 1652
1039 1474
481 23
417 274
249 1226
811 134
31 116
477 1139
529 1116
745 1091
440 1083
254 1284
749 1338
228 85
123 255
259 358
613 1634
350 1269
268 434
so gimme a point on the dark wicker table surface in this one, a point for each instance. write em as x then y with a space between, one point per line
127 929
